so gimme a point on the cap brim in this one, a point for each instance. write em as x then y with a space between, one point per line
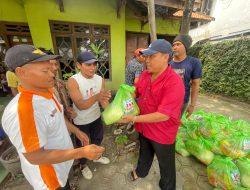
148 52
90 61
46 58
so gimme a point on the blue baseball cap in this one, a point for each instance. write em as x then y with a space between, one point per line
158 46
86 57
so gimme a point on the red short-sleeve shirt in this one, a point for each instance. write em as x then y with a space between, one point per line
164 95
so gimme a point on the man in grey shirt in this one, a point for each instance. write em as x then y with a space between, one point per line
134 68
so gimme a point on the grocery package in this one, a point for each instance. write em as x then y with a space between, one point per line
192 129
236 145
200 149
122 104
240 126
215 142
223 173
244 167
183 134
180 147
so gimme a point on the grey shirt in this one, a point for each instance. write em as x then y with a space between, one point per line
133 70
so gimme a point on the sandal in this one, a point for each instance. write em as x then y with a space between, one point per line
132 177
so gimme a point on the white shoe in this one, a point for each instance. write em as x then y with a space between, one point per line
87 173
102 160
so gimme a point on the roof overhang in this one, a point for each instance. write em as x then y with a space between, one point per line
177 4
196 16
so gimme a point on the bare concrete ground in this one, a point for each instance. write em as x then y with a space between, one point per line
191 174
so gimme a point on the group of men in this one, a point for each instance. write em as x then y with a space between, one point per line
36 124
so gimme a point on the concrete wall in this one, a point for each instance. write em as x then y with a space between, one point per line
230 16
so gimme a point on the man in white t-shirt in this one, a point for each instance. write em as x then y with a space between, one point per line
35 124
86 90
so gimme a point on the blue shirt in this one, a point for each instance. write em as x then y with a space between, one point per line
188 69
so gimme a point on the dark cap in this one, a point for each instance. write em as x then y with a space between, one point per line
158 46
22 54
86 57
186 40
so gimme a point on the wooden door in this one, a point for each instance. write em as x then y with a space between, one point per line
135 41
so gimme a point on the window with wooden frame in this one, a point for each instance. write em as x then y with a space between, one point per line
70 39
11 34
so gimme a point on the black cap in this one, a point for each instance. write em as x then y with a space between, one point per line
158 46
186 40
22 54
86 57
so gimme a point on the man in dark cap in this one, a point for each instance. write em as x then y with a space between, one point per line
190 70
86 90
35 124
160 93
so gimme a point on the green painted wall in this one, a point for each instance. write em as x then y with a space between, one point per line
165 26
12 10
39 12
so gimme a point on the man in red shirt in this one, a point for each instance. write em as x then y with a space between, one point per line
160 93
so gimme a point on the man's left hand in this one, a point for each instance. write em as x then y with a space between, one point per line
190 110
82 137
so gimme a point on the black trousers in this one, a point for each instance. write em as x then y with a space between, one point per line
94 131
166 157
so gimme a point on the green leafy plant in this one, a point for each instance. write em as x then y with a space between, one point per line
66 76
225 67
98 48
121 139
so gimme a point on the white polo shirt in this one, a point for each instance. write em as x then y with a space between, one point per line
33 120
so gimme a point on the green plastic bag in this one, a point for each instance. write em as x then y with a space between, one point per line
223 173
237 188
200 149
236 146
240 126
122 104
192 128
182 133
210 124
180 147
215 141
244 167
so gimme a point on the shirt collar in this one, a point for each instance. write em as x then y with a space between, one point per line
162 75
47 95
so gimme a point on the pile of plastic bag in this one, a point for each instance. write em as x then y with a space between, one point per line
220 143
